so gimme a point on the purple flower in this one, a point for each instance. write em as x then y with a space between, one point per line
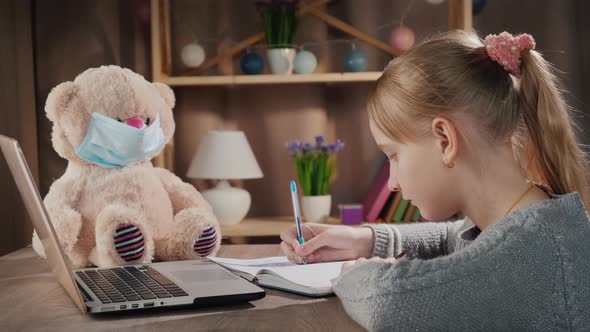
319 141
294 147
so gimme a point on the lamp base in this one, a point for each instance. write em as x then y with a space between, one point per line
230 204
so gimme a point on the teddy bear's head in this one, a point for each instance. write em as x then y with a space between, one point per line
116 93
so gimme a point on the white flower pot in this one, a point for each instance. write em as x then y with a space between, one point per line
316 208
281 60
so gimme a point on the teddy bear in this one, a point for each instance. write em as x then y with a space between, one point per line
112 207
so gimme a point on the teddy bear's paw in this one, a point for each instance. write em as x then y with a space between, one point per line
129 242
206 242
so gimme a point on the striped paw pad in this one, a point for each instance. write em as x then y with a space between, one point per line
128 242
206 242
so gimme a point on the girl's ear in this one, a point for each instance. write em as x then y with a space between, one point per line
166 93
446 137
59 99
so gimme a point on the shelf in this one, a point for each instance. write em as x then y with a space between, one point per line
257 227
272 226
459 14
270 79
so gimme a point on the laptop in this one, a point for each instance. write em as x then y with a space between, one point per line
129 287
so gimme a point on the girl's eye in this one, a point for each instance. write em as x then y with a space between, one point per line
147 121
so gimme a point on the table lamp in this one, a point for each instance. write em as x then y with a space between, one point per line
224 155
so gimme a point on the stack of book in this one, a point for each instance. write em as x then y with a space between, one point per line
383 205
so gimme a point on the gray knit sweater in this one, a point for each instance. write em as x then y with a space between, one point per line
528 271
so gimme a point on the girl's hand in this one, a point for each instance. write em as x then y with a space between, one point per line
348 265
327 243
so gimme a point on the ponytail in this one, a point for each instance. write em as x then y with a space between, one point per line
554 159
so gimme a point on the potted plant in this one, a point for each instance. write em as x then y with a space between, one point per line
279 20
315 164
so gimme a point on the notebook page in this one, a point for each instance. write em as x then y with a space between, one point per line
252 266
318 275
267 261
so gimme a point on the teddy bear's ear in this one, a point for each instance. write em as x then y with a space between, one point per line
166 93
59 99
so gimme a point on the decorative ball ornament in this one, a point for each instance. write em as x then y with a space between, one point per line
305 62
477 6
252 63
402 38
435 2
192 54
355 60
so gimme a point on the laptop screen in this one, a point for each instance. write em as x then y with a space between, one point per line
34 205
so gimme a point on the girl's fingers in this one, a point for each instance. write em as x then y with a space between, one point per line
288 251
289 235
313 244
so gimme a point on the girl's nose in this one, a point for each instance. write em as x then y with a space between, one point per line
136 122
393 184
394 188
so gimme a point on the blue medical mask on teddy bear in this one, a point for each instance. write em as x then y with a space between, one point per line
111 144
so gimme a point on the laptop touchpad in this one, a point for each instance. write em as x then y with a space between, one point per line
202 275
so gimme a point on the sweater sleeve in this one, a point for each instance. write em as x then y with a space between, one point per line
419 240
390 300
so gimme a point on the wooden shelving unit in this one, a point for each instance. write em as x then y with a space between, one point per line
270 79
459 17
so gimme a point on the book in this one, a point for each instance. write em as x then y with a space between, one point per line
398 216
314 280
377 195
387 212
416 215
408 215
394 206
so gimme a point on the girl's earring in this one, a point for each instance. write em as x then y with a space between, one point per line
451 165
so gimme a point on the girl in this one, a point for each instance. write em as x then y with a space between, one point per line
478 130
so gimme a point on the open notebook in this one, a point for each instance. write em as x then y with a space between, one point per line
279 273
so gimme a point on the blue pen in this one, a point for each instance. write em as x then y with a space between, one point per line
297 213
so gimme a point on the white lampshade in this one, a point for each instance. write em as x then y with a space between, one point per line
224 155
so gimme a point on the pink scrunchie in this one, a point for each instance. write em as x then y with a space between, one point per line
505 49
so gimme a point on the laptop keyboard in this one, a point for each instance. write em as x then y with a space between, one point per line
129 283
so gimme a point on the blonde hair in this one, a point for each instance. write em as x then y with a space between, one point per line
452 73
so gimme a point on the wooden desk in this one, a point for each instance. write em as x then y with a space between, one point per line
31 299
